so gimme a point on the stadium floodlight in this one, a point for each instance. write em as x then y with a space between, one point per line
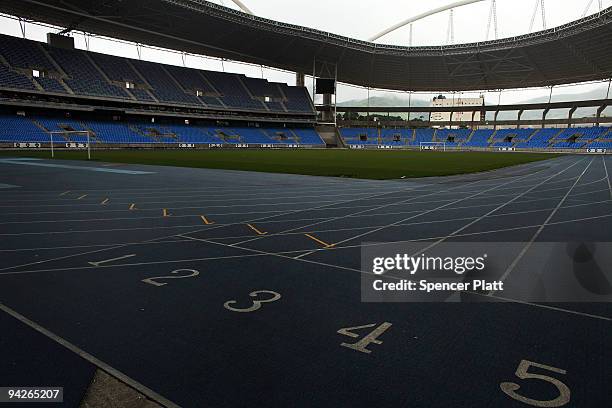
422 16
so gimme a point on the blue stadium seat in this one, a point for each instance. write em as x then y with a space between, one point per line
99 75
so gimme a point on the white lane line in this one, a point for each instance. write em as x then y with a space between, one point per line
212 197
388 184
3 186
175 235
467 234
437 221
603 158
557 309
201 201
99 263
201 229
490 213
368 209
127 265
401 202
63 232
55 221
107 211
377 196
257 252
152 395
66 166
140 206
494 187
492 196
244 190
584 204
133 207
543 306
539 230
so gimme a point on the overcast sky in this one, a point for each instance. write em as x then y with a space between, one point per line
363 18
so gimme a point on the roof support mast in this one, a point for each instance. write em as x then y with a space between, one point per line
422 16
588 7
242 7
492 18
450 35
538 4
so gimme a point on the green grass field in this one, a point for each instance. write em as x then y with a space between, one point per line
371 164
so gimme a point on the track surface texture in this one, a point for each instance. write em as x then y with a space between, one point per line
217 288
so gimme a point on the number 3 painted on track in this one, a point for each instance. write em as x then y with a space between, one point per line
256 303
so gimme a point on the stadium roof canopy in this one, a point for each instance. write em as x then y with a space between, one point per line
575 52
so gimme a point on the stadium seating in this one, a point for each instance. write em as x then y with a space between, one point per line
359 136
84 78
13 79
51 85
540 139
19 129
526 138
97 75
14 128
480 138
452 137
423 136
396 137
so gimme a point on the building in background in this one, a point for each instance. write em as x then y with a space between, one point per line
442 101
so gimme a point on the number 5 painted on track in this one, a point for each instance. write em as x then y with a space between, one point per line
522 372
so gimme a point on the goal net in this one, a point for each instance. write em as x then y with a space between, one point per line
433 146
75 139
72 139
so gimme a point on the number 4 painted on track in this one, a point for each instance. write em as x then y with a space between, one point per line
372 337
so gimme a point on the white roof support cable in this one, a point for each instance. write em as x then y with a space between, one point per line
422 16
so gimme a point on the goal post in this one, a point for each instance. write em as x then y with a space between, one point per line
71 139
432 146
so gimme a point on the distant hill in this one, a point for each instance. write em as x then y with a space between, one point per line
386 101
402 101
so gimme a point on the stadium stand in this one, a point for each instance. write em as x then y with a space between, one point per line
480 138
396 137
526 138
91 74
12 79
423 136
359 136
36 68
452 137
17 128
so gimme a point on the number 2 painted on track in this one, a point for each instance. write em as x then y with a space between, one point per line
522 372
154 281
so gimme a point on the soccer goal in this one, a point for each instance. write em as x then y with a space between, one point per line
71 139
433 146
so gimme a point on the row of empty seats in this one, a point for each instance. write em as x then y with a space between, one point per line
547 138
78 72
16 129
